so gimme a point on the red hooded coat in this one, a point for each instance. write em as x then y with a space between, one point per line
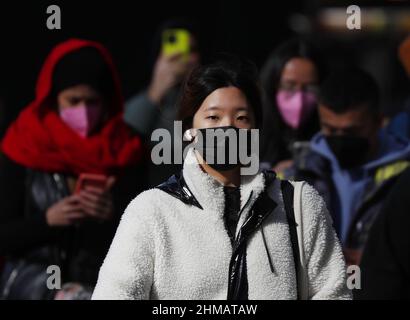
42 141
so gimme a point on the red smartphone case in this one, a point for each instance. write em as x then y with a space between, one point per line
94 180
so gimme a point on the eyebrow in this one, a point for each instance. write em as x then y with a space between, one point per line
212 108
219 108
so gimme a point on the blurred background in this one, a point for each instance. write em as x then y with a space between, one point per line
248 28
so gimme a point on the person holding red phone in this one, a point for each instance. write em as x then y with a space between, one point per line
73 129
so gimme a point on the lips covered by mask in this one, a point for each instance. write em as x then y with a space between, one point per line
82 118
295 108
350 151
220 147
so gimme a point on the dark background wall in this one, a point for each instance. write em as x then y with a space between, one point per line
248 28
127 29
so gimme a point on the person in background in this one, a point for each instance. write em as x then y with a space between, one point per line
1 135
400 124
155 107
2 117
290 80
74 126
352 162
385 266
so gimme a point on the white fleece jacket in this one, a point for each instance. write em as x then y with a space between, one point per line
165 249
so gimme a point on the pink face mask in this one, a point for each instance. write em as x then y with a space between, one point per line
295 108
82 119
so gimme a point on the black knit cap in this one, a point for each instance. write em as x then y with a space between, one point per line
83 66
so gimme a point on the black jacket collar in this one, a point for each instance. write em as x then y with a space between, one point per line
177 187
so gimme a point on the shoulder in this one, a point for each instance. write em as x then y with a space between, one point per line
311 202
146 205
308 193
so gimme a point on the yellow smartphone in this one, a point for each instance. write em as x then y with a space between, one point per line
176 41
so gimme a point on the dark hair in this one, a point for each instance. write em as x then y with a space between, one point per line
348 89
274 128
83 66
226 72
273 68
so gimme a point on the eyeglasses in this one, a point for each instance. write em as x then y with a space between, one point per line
292 88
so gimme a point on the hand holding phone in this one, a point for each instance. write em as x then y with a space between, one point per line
95 196
172 64
86 180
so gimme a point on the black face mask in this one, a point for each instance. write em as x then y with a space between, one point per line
216 144
350 151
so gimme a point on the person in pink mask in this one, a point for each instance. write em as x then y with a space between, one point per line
290 80
49 214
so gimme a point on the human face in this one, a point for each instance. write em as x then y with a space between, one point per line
299 74
225 107
356 122
77 95
81 108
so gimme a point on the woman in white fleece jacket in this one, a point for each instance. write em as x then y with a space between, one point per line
212 233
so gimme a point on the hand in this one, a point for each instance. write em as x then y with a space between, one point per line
73 291
168 72
65 212
96 202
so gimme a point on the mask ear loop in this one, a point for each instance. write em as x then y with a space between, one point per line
191 137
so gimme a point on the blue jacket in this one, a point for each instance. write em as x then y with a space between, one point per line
355 196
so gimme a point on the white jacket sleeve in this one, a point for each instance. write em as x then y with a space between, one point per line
325 264
127 271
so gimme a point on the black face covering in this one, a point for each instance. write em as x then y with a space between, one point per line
220 146
350 151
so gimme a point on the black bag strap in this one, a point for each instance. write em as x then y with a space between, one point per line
287 193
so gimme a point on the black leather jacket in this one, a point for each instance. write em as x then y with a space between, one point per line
79 250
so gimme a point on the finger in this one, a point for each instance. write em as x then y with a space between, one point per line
89 205
75 215
173 57
72 208
95 190
90 196
102 198
180 68
97 201
93 209
71 199
110 182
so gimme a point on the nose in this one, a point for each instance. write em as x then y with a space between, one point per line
227 121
